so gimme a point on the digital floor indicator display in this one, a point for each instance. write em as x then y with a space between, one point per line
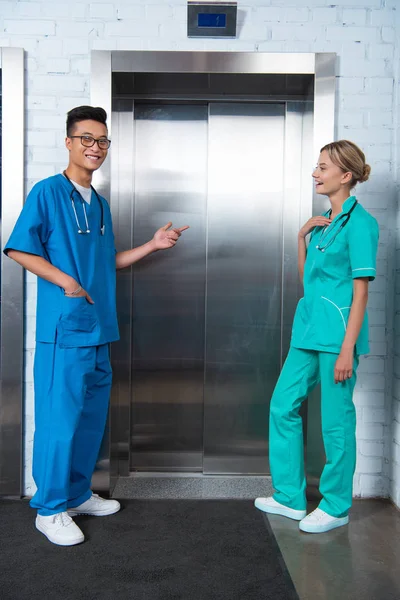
211 19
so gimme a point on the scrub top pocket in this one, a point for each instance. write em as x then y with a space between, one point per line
78 325
107 243
320 325
335 318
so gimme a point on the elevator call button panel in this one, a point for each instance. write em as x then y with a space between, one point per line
212 19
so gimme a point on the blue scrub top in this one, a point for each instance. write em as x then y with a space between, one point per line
47 227
335 256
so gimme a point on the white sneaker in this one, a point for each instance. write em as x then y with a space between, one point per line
96 506
319 521
271 506
60 529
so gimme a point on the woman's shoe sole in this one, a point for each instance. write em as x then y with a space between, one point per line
309 528
290 513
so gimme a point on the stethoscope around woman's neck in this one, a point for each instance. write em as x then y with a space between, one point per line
343 219
71 197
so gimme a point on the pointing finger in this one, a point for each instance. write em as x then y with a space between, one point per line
167 226
183 228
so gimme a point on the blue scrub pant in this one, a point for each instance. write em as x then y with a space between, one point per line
302 371
72 391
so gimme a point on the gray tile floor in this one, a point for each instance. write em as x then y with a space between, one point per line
361 560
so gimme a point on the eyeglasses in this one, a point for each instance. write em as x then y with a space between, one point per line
88 141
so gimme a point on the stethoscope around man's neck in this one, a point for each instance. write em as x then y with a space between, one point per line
343 219
71 197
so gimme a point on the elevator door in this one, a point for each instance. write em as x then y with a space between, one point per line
170 184
207 315
243 283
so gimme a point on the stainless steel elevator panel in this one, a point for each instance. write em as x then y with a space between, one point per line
208 326
244 283
169 289
12 277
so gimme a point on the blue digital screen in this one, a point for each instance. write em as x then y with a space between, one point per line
211 20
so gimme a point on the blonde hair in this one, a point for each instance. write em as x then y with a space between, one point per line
348 157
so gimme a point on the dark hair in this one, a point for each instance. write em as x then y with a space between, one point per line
85 113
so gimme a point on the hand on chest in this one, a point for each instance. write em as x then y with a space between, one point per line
328 253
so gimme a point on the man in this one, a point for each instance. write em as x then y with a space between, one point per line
64 235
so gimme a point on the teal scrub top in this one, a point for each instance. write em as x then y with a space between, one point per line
47 227
335 256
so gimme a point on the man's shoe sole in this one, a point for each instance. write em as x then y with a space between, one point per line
290 513
74 542
105 513
310 528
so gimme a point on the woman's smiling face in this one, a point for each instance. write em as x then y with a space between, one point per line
328 177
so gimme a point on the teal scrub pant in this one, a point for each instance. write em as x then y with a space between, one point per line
302 371
72 391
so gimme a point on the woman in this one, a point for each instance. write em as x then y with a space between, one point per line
330 331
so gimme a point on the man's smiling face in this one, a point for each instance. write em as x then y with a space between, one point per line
81 156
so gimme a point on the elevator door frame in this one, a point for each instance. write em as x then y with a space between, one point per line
12 276
104 64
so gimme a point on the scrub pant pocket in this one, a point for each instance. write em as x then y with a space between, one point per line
72 391
302 371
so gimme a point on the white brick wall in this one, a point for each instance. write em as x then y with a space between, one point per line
394 466
58 37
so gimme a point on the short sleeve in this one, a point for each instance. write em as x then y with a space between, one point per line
363 247
34 224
